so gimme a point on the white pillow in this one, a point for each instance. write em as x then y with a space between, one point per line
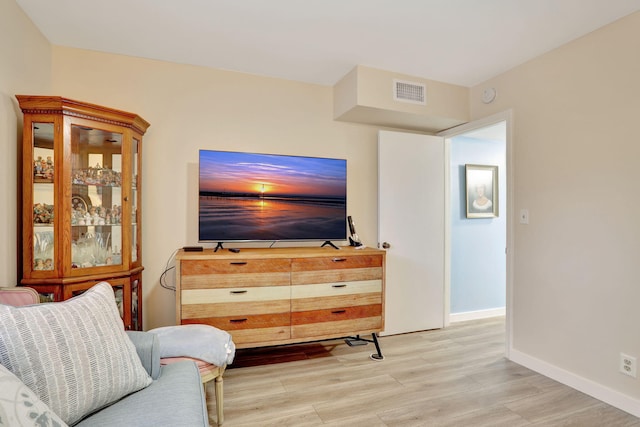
19 406
75 355
197 341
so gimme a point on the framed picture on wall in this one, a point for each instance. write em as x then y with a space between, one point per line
482 191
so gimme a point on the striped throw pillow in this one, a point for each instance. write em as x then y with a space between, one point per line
74 355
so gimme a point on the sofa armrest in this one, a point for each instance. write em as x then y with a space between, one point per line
148 348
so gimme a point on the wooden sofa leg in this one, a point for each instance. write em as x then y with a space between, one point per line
219 399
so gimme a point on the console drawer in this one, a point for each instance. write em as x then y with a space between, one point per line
235 294
343 275
335 262
336 314
339 294
250 328
336 269
336 322
218 273
202 311
226 266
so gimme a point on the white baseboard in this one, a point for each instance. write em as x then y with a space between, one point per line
593 389
475 315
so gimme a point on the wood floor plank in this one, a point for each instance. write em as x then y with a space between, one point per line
594 416
558 403
492 416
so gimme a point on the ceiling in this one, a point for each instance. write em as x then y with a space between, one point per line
463 42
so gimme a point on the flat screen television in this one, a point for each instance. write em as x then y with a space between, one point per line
268 197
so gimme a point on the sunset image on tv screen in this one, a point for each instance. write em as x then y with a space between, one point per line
248 196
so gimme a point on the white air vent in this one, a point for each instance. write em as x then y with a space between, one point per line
414 93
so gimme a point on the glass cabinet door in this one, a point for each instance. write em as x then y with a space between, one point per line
96 199
43 197
135 248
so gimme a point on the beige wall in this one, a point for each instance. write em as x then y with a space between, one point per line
25 67
576 150
192 108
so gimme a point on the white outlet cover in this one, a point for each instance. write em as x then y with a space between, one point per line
628 365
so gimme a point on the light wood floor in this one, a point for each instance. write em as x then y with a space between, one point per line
456 376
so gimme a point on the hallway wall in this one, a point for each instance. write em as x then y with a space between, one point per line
478 260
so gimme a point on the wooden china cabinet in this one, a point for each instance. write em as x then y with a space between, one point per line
81 199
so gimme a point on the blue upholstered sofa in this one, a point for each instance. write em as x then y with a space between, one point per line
174 398
72 362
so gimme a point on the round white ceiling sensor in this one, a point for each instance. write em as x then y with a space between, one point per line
489 95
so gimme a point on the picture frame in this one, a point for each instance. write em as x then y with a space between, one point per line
481 183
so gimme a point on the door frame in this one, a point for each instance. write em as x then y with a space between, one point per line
507 117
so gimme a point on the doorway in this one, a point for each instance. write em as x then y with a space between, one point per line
477 259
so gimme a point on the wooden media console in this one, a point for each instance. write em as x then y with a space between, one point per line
273 296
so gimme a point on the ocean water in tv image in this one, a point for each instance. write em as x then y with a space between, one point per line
250 196
245 218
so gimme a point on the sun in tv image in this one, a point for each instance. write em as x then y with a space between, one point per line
248 196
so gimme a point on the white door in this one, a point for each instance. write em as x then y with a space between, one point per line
411 222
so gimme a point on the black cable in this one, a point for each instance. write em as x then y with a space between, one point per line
163 281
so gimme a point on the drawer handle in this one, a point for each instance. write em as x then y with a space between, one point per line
339 260
238 263
339 286
244 291
238 320
338 311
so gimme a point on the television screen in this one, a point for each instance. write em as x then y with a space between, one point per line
251 197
